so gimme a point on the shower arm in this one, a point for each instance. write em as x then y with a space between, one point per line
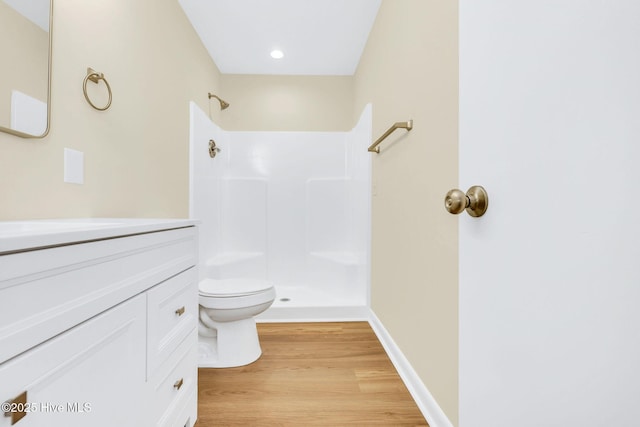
223 104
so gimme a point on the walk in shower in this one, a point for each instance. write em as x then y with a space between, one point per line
289 207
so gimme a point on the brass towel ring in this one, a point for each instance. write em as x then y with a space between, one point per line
95 77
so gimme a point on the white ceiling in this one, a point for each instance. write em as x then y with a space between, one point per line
36 11
318 37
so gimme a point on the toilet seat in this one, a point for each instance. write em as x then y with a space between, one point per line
232 294
230 288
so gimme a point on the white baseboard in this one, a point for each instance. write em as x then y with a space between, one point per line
425 401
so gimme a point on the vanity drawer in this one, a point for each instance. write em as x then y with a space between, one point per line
45 292
175 383
172 310
185 416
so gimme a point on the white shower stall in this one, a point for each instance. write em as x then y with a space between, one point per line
289 207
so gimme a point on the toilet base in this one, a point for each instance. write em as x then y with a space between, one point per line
236 344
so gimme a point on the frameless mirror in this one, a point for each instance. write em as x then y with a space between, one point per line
25 46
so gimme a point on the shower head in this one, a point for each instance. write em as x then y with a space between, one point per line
223 104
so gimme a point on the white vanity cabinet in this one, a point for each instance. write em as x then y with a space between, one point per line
91 375
100 328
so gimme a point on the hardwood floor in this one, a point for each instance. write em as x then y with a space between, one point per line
329 374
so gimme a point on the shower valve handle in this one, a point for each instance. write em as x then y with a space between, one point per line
213 150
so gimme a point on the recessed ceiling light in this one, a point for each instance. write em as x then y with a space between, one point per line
277 54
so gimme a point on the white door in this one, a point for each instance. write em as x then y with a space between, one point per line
550 276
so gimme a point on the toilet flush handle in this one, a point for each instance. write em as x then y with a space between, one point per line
475 202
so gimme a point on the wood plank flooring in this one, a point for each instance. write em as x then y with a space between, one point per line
322 374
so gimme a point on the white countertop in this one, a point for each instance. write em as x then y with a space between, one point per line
24 235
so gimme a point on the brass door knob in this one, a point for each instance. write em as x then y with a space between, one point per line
476 201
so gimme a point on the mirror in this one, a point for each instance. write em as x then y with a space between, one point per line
25 46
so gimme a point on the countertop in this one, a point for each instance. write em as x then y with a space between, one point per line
18 236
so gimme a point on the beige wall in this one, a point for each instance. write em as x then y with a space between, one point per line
29 73
287 103
409 70
136 153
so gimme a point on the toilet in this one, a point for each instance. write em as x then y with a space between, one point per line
227 329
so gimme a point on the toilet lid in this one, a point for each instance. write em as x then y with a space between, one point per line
233 287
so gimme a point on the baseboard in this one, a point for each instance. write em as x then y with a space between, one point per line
423 398
314 314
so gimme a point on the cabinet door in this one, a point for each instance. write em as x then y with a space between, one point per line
92 375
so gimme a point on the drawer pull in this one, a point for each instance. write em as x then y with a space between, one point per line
178 384
180 311
16 408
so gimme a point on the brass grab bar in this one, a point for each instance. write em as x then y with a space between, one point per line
397 125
